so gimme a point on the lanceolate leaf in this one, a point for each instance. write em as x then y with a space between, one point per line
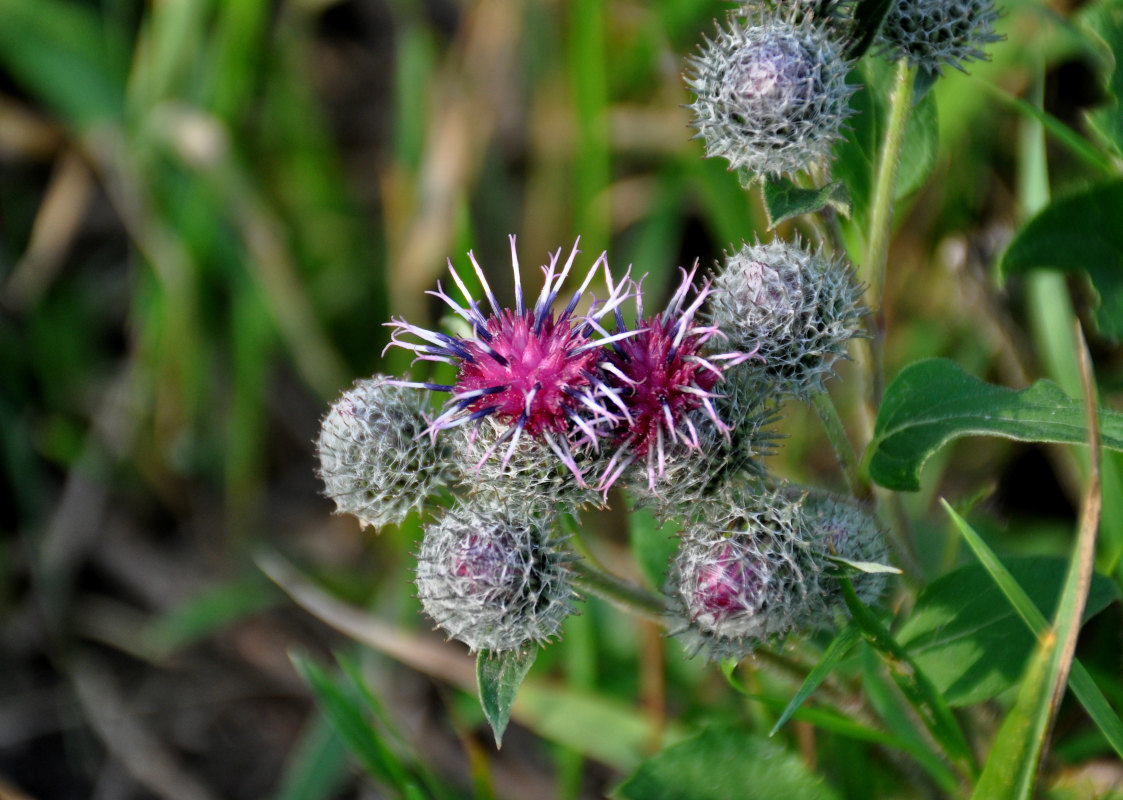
1079 233
868 16
499 676
933 402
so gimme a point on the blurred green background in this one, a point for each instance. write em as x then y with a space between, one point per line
207 212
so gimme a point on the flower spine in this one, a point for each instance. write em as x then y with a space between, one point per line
935 33
374 461
531 369
798 308
770 93
493 579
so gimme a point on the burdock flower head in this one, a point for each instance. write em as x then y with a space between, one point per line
932 33
745 578
798 308
661 375
374 462
493 579
770 92
533 370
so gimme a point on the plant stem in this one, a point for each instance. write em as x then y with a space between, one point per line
620 593
885 190
832 424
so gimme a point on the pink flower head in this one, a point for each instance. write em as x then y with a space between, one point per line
727 584
662 377
529 368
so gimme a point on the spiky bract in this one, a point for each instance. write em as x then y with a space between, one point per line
492 579
695 478
935 33
744 578
841 529
527 367
532 479
374 462
770 93
799 309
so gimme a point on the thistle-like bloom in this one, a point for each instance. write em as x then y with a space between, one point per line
534 371
770 93
374 462
798 308
745 578
493 580
662 374
932 33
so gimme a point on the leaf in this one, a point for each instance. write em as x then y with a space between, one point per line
653 544
784 200
968 638
933 402
66 55
316 765
868 16
1079 233
834 653
499 676
721 763
917 688
1085 689
344 710
869 567
1105 19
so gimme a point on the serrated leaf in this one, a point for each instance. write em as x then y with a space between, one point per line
969 639
720 763
499 676
784 200
1079 233
933 402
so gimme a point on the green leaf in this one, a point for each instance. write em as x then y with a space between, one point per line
720 763
784 200
868 16
653 544
63 53
316 766
1105 19
968 638
834 653
917 688
1085 689
343 707
499 676
933 402
1079 233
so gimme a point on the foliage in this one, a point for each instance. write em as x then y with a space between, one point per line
209 210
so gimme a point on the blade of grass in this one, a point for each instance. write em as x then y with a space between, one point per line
1012 768
835 652
316 766
921 694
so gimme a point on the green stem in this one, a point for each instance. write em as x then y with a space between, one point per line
620 593
885 190
832 424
